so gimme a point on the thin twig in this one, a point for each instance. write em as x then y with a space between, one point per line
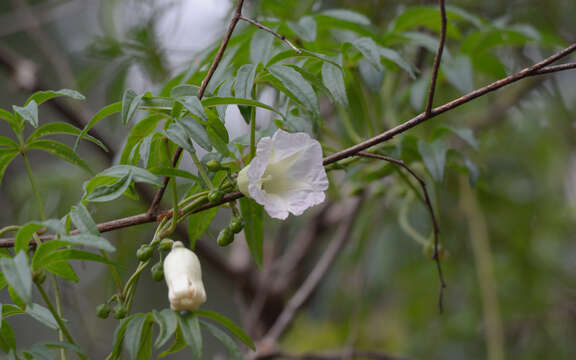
332 355
235 18
437 59
266 28
428 203
529 71
313 280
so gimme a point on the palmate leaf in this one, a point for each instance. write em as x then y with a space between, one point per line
196 131
138 337
102 114
110 192
167 321
226 340
198 224
305 28
194 106
82 219
229 325
18 275
299 89
334 82
190 327
254 229
179 136
62 269
43 315
138 174
6 158
42 96
56 128
139 131
8 143
244 81
58 149
24 235
130 102
28 112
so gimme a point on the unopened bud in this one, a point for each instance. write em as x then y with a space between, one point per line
165 245
225 237
214 165
157 271
145 252
237 224
119 311
103 310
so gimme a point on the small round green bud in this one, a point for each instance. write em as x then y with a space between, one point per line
225 237
39 277
145 252
214 165
165 245
237 224
157 271
120 311
215 196
103 310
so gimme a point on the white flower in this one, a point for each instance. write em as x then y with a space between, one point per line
286 175
184 278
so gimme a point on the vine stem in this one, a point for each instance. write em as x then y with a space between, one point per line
34 188
58 298
58 319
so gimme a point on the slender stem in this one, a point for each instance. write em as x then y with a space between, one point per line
174 194
57 317
58 298
34 188
266 28
113 271
252 133
437 58
201 171
9 228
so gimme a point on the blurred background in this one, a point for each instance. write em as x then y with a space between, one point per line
506 202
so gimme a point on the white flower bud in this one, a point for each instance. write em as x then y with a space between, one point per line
286 175
184 278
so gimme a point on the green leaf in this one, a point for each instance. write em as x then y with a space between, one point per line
215 101
334 82
103 113
6 115
11 310
226 340
18 275
347 15
184 90
72 254
305 28
64 345
130 102
420 16
289 54
397 59
93 241
245 81
7 338
178 134
5 160
190 327
167 321
62 269
229 325
261 47
179 344
198 223
434 157
194 106
218 135
139 131
370 50
106 193
60 150
42 96
6 141
24 235
298 87
138 174
61 128
45 249
196 131
119 335
28 112
459 72
43 315
82 219
138 337
172 172
254 228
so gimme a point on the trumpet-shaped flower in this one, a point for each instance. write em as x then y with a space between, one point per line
286 175
184 278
